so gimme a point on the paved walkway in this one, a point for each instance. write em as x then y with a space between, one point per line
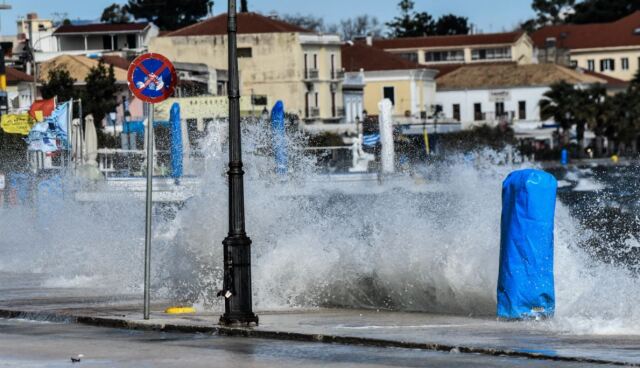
22 297
360 327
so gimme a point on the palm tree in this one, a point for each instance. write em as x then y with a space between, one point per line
562 103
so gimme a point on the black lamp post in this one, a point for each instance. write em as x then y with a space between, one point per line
237 246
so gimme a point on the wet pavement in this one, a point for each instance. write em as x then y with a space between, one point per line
336 336
44 344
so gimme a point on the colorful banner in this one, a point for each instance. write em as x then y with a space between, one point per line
16 123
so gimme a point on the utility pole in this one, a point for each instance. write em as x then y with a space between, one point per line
237 245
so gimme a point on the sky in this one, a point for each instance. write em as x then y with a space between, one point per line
486 15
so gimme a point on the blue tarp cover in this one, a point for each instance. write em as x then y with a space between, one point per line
525 281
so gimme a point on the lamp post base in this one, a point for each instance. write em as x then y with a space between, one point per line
245 320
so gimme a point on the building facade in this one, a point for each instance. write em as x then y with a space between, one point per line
612 49
126 40
505 93
276 59
461 49
410 87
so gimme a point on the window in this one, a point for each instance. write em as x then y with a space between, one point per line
389 92
607 65
306 104
306 66
456 112
522 110
574 63
106 43
477 111
499 109
333 66
411 56
491 54
333 104
625 63
315 61
591 65
245 52
132 41
550 42
451 55
317 94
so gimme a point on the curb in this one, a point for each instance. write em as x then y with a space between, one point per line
121 323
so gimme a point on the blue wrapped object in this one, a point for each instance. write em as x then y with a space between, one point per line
176 141
525 281
279 138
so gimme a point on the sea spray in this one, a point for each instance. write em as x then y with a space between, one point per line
356 244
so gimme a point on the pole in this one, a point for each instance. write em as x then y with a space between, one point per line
237 246
147 232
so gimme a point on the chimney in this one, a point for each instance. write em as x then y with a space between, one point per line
369 40
32 16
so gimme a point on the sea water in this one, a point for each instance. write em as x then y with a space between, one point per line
320 245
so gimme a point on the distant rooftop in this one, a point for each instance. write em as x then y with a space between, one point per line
448 41
358 56
505 75
247 23
623 32
78 67
15 76
102 28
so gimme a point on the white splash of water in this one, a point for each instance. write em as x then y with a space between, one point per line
395 249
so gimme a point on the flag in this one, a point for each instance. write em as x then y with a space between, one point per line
370 140
40 109
16 123
60 119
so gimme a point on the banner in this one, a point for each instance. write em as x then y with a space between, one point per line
16 123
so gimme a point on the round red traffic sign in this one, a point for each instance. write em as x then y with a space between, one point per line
152 77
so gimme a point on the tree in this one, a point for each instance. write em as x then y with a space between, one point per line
59 83
115 13
100 94
549 12
169 14
562 103
411 23
362 25
310 22
244 8
600 11
452 25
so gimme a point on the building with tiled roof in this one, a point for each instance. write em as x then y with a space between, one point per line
507 93
248 23
612 49
409 85
461 49
277 60
125 40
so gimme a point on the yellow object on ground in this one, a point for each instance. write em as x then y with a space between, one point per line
615 159
180 310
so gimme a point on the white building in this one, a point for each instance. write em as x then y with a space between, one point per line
493 93
125 40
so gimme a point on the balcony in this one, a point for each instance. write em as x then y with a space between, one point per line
314 112
340 112
337 75
312 74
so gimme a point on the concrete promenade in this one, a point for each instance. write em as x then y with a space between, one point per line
428 332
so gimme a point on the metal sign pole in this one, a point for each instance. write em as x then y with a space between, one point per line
147 233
